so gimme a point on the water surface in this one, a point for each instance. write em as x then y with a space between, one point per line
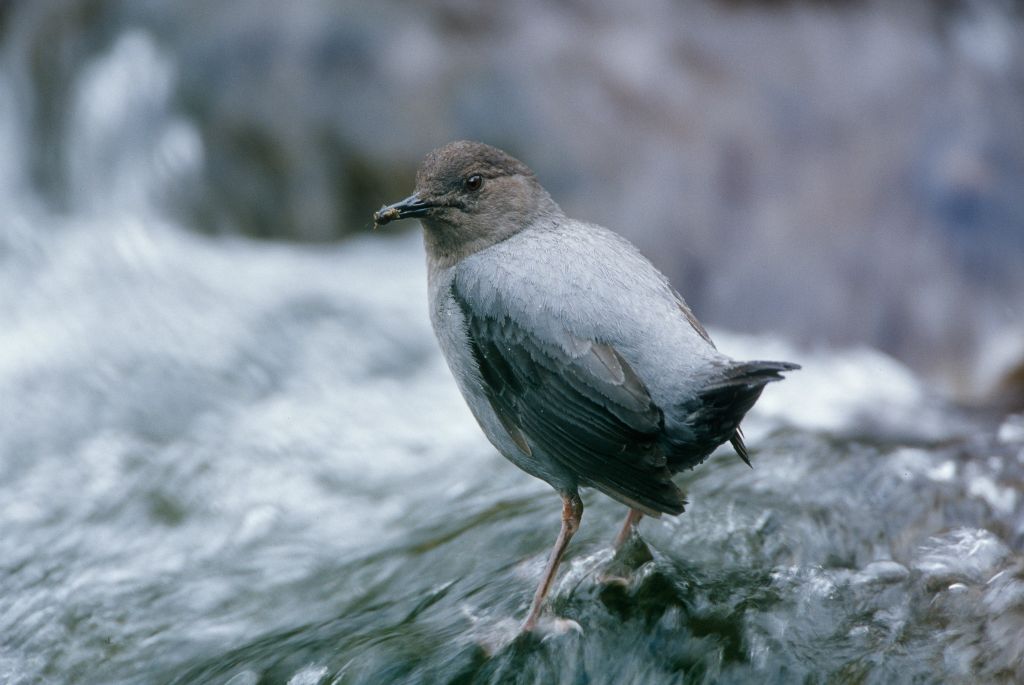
224 461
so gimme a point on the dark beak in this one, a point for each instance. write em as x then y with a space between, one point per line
410 208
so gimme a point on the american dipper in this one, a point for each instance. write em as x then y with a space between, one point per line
580 362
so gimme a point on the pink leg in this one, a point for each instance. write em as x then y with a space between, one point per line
632 519
572 513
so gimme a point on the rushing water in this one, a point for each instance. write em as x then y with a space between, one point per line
233 462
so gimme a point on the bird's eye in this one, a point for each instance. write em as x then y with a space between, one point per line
474 182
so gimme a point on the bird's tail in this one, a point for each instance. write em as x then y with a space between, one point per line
751 377
714 415
750 374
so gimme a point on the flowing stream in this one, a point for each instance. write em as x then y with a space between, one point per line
228 461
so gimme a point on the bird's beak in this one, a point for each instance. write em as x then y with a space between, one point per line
409 208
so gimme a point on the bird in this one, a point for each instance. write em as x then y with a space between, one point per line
581 363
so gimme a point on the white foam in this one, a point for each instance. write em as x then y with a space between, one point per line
845 390
1002 498
883 572
1011 431
309 675
965 555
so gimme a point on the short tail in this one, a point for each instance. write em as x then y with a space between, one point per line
713 415
753 375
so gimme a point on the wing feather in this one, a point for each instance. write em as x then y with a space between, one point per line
579 403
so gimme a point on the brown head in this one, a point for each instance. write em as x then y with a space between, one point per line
470 196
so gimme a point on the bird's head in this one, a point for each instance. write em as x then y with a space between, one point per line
470 196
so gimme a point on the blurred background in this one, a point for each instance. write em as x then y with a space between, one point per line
838 172
230 451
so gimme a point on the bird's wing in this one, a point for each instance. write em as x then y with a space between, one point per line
578 401
691 318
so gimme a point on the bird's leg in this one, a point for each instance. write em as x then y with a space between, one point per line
632 519
572 513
